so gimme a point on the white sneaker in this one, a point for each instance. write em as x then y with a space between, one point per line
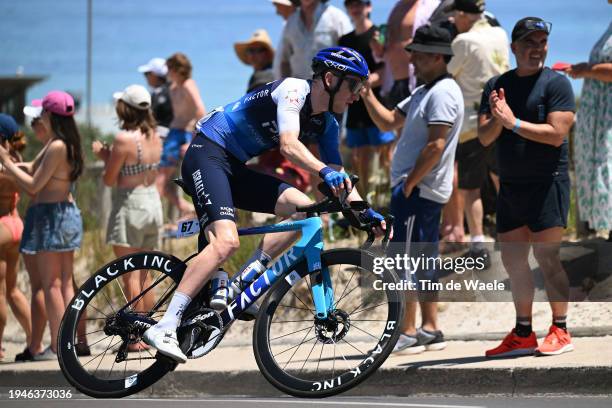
408 345
165 342
46 355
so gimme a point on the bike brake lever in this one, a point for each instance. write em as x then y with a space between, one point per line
368 242
389 223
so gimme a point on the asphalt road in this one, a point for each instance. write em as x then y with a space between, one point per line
354 402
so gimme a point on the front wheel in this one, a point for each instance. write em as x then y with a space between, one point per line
308 358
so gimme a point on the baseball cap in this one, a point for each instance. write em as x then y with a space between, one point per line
283 2
156 66
136 96
528 25
347 2
58 102
8 126
34 109
432 39
468 6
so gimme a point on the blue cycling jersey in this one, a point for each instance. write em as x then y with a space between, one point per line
251 125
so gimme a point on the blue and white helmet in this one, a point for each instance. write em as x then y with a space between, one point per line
340 60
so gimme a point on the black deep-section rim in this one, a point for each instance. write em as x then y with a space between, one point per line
69 363
306 389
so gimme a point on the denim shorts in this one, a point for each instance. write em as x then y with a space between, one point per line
53 227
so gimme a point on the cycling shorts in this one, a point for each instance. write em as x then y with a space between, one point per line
217 182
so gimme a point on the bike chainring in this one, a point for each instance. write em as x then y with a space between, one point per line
200 332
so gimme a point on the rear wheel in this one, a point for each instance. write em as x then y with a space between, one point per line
112 329
308 358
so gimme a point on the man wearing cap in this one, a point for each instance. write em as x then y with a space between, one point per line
257 52
284 8
422 172
480 52
155 72
528 112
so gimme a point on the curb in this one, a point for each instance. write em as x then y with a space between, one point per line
398 381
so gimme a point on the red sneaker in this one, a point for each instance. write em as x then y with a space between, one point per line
514 345
557 341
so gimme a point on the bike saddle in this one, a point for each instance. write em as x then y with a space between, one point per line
181 183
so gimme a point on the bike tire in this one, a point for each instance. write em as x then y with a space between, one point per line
286 381
71 365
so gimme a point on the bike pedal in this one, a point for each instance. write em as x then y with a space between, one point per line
166 361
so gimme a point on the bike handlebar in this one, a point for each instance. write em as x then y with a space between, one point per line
333 204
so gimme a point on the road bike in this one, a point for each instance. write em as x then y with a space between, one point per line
321 328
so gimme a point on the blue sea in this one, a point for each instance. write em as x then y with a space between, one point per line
48 37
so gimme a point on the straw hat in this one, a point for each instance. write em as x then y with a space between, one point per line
259 37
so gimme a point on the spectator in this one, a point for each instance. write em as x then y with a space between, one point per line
529 111
131 164
155 71
37 301
187 108
316 25
422 171
284 8
405 18
362 135
257 52
480 52
592 137
53 226
11 228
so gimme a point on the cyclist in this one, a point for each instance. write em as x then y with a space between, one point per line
278 114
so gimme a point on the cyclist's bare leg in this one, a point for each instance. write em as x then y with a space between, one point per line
223 241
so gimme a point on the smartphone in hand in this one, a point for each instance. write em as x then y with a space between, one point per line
382 33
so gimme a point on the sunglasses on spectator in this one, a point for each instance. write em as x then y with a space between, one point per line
258 50
538 25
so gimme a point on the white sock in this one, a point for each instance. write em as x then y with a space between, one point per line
174 313
477 242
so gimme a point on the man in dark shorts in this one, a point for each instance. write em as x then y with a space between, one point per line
529 111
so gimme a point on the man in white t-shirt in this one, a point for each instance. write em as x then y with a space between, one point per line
422 173
480 52
316 25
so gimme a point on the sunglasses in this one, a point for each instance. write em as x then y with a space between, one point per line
258 50
538 25
355 85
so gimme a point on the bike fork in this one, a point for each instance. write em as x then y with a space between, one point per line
321 285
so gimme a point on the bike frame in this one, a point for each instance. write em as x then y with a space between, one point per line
309 247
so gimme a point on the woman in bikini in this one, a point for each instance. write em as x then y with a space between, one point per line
131 164
11 228
53 226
